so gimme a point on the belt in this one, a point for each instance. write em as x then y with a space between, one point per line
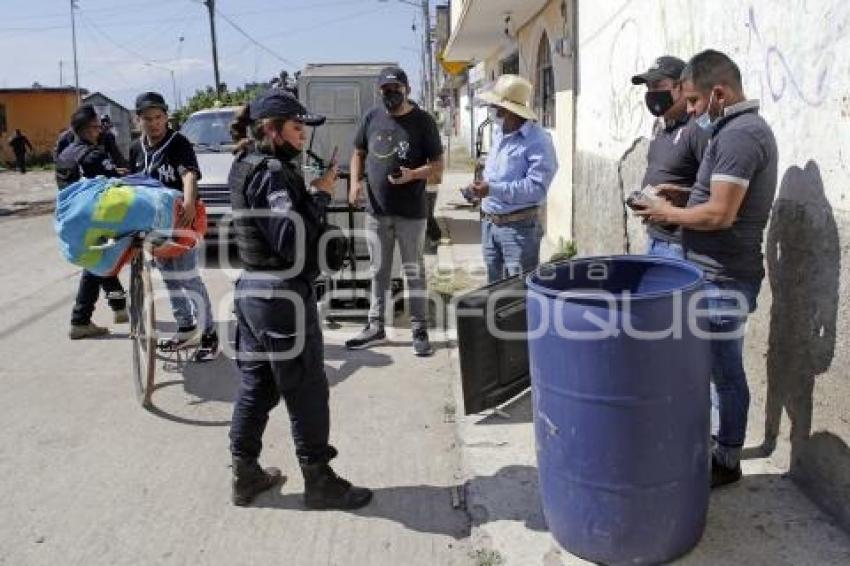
516 216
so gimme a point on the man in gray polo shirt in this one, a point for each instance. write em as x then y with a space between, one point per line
723 226
676 148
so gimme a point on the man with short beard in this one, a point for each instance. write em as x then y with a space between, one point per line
399 145
167 156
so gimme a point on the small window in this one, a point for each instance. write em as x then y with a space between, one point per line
544 90
510 65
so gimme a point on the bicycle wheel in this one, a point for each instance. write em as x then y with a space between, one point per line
142 329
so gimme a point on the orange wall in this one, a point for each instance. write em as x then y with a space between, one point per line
39 115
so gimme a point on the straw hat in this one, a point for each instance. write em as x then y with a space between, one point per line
513 93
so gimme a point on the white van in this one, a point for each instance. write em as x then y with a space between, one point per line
209 132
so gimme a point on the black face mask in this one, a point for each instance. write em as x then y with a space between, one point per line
659 102
393 100
286 152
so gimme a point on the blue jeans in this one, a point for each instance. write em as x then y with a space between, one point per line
663 248
511 248
730 395
190 301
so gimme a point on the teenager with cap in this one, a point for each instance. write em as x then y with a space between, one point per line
167 156
519 169
278 223
676 148
83 157
399 147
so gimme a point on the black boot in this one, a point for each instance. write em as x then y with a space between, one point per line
249 480
323 489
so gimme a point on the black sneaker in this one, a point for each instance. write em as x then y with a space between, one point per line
209 347
184 338
421 345
721 475
372 335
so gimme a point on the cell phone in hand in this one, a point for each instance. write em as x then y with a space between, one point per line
396 173
636 200
468 194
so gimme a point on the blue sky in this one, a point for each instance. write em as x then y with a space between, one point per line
128 46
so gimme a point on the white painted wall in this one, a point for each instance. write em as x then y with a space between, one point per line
794 56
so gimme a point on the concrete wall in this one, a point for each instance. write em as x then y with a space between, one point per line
559 206
794 58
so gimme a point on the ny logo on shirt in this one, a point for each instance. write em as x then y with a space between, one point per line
166 173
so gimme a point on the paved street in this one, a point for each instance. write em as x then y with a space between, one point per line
89 477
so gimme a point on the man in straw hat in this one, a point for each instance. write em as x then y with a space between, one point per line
519 169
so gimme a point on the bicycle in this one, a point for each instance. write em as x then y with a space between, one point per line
142 320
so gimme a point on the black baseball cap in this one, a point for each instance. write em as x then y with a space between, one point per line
392 75
148 100
665 67
279 103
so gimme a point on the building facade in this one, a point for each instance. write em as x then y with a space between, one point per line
122 118
41 113
580 55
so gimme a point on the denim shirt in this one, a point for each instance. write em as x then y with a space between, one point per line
519 169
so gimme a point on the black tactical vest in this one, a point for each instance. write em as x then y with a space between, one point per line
254 250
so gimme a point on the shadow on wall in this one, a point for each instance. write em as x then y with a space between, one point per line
803 257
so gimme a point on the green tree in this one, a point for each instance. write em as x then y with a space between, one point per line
207 98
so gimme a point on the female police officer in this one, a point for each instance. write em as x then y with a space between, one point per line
278 223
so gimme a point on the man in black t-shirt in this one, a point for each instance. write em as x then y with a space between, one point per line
167 156
676 148
399 144
84 158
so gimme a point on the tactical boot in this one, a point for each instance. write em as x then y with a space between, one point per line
249 480
323 489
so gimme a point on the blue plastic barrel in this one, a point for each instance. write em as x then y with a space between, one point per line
620 384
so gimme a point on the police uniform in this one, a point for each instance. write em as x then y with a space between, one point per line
278 224
77 160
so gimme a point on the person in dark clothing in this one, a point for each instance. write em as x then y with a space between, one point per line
280 350
723 222
20 144
167 156
676 148
84 158
65 138
398 146
106 139
110 144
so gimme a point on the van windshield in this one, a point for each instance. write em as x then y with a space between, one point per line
209 129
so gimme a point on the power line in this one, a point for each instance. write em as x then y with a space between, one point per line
255 42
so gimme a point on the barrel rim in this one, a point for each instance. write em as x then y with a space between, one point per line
592 295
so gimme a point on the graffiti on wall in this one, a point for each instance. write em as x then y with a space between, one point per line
805 75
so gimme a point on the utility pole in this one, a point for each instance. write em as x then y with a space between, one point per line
61 77
74 39
426 16
210 4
